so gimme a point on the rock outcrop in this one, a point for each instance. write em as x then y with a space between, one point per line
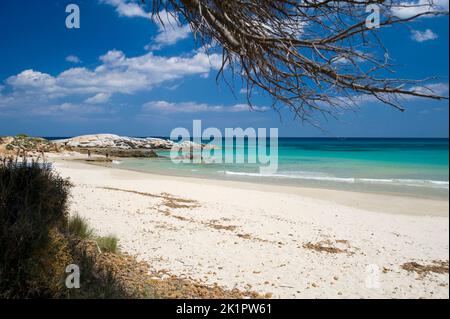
115 145
103 141
21 144
116 152
101 144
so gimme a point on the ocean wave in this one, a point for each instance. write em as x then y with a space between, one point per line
351 180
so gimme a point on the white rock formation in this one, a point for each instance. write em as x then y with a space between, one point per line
116 141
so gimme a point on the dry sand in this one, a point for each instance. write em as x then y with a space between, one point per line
291 242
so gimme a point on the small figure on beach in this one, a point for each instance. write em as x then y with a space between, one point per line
89 154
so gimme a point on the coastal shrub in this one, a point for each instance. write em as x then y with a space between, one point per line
78 227
97 275
47 268
33 202
107 243
38 240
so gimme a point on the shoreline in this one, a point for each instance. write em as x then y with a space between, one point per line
292 244
405 204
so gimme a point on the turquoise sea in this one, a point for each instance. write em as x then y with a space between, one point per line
418 167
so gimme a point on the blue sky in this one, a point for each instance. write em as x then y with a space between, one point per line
120 73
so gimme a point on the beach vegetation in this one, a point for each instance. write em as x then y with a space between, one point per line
79 227
23 142
107 243
38 240
33 206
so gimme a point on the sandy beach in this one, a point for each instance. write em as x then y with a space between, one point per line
287 241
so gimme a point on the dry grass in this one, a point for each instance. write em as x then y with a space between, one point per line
177 288
138 280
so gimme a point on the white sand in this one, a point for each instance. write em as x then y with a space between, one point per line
264 251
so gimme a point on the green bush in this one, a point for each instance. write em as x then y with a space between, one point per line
38 239
79 227
33 202
107 243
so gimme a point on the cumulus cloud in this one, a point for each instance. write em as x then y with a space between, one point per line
117 73
128 8
408 9
193 107
99 98
422 36
30 81
73 59
170 31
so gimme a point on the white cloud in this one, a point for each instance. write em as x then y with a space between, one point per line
116 74
193 107
30 80
128 8
441 89
64 108
421 36
73 59
170 31
5 101
435 88
172 35
409 9
99 98
112 56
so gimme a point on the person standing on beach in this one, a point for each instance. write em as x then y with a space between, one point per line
89 154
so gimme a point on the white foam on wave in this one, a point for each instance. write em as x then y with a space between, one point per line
323 177
311 176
